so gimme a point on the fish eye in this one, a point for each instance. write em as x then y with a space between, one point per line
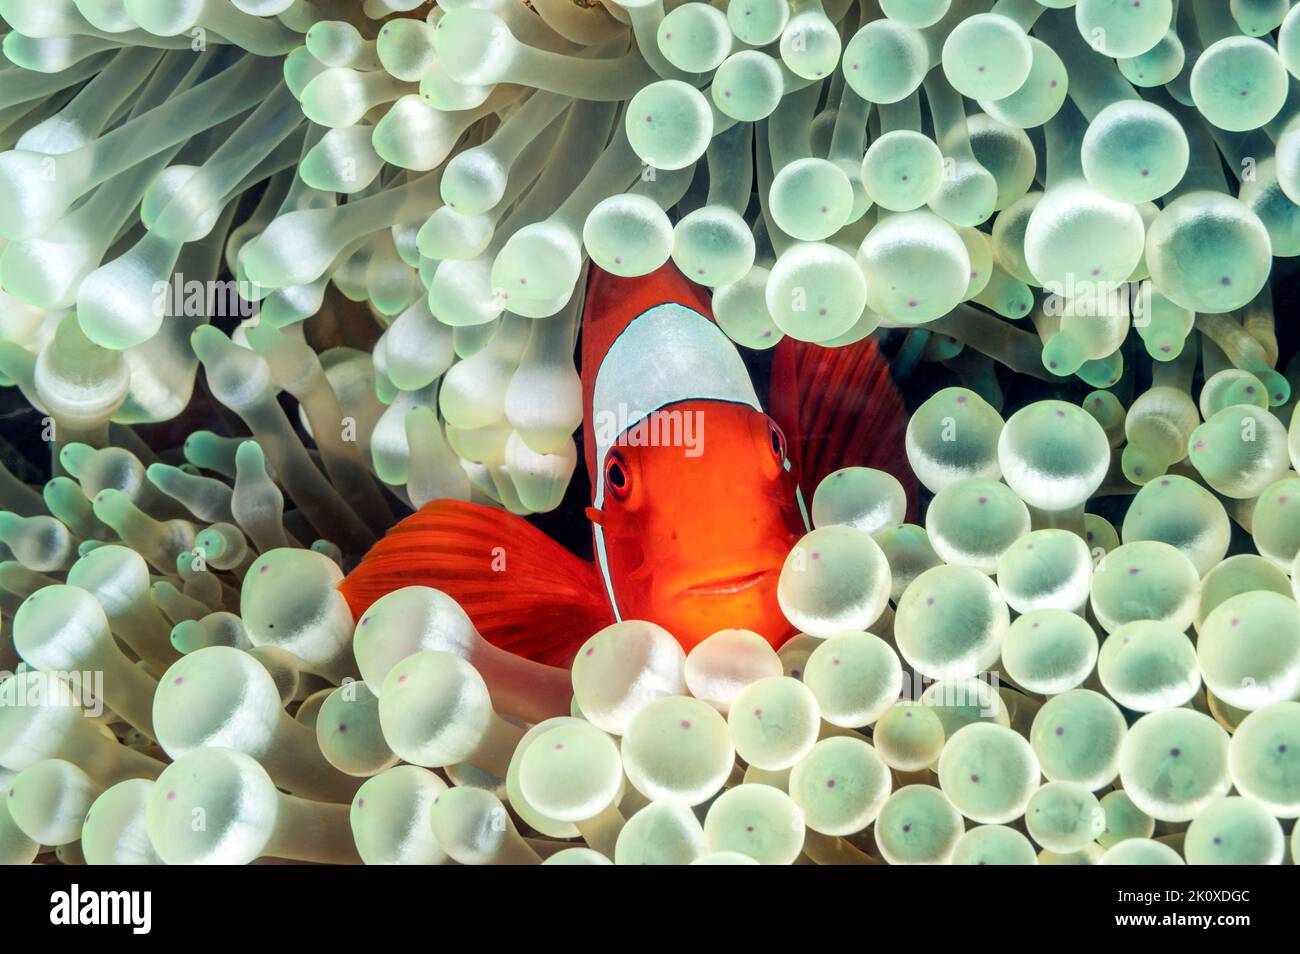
616 476
777 439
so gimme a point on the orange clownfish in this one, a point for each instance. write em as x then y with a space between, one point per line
698 495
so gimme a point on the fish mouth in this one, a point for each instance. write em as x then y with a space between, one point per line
730 585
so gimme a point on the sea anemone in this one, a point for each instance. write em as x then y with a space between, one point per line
276 273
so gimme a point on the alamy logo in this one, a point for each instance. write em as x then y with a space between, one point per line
190 298
29 687
674 427
74 906
1086 298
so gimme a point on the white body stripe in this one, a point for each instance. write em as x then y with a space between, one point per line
602 561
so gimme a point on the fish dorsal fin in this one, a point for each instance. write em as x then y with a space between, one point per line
839 407
522 590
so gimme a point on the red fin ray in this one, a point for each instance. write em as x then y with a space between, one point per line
524 592
839 407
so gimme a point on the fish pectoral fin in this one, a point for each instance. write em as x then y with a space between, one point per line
523 591
839 407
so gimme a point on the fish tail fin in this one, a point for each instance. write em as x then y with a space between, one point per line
523 591
839 407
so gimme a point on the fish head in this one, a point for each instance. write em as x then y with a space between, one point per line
700 511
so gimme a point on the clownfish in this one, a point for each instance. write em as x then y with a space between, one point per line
698 494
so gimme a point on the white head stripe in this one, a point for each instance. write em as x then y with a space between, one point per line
668 354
